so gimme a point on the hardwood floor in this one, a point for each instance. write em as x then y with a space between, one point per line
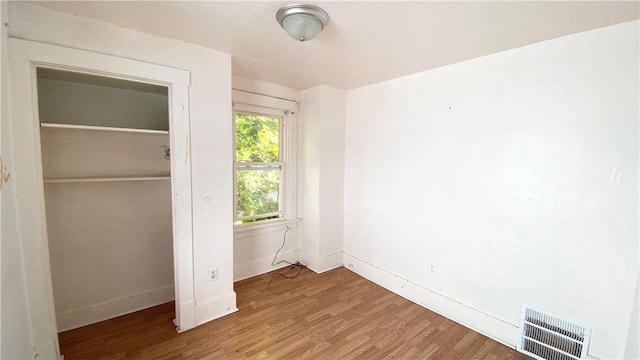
335 315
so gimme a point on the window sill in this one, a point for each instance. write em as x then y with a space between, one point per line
263 227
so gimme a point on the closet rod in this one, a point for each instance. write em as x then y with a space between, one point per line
105 179
102 128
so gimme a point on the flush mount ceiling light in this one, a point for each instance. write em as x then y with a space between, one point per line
302 21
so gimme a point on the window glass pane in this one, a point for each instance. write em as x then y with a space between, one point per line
258 192
257 138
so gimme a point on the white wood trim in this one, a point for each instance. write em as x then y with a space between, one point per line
290 151
264 88
187 314
323 263
180 144
278 213
24 57
80 60
30 209
243 108
243 97
105 179
102 128
289 145
248 165
263 227
216 308
265 166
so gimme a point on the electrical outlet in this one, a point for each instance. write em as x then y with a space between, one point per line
213 274
433 269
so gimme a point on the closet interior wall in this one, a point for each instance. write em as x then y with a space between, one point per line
107 193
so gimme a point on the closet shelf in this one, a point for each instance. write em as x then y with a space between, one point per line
102 128
105 179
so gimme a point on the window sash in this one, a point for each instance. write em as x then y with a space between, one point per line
258 216
281 135
243 166
260 166
246 165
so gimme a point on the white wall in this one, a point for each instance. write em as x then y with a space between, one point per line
111 248
322 114
254 250
632 350
71 153
101 106
15 334
210 143
515 175
110 243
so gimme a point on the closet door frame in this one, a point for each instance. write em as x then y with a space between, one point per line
24 58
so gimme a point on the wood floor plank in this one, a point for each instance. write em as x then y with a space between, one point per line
335 315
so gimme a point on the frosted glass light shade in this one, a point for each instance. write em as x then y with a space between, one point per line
301 26
302 21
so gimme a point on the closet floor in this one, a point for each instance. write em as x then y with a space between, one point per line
335 315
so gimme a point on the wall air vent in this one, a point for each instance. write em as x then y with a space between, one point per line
544 335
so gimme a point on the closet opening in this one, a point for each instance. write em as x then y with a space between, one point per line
108 199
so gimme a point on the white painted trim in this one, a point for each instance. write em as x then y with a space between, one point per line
117 307
181 200
475 319
77 60
243 97
264 88
102 128
24 56
105 179
30 209
239 107
320 264
262 265
262 104
247 230
187 313
215 308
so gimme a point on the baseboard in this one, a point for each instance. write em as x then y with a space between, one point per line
215 308
113 308
48 350
475 319
187 316
320 264
261 266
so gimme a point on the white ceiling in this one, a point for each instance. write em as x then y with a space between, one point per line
364 42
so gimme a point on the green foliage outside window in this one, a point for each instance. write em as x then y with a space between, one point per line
258 187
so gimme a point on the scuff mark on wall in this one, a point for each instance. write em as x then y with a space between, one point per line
5 174
615 175
187 152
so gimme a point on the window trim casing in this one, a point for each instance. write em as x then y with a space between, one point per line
246 102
